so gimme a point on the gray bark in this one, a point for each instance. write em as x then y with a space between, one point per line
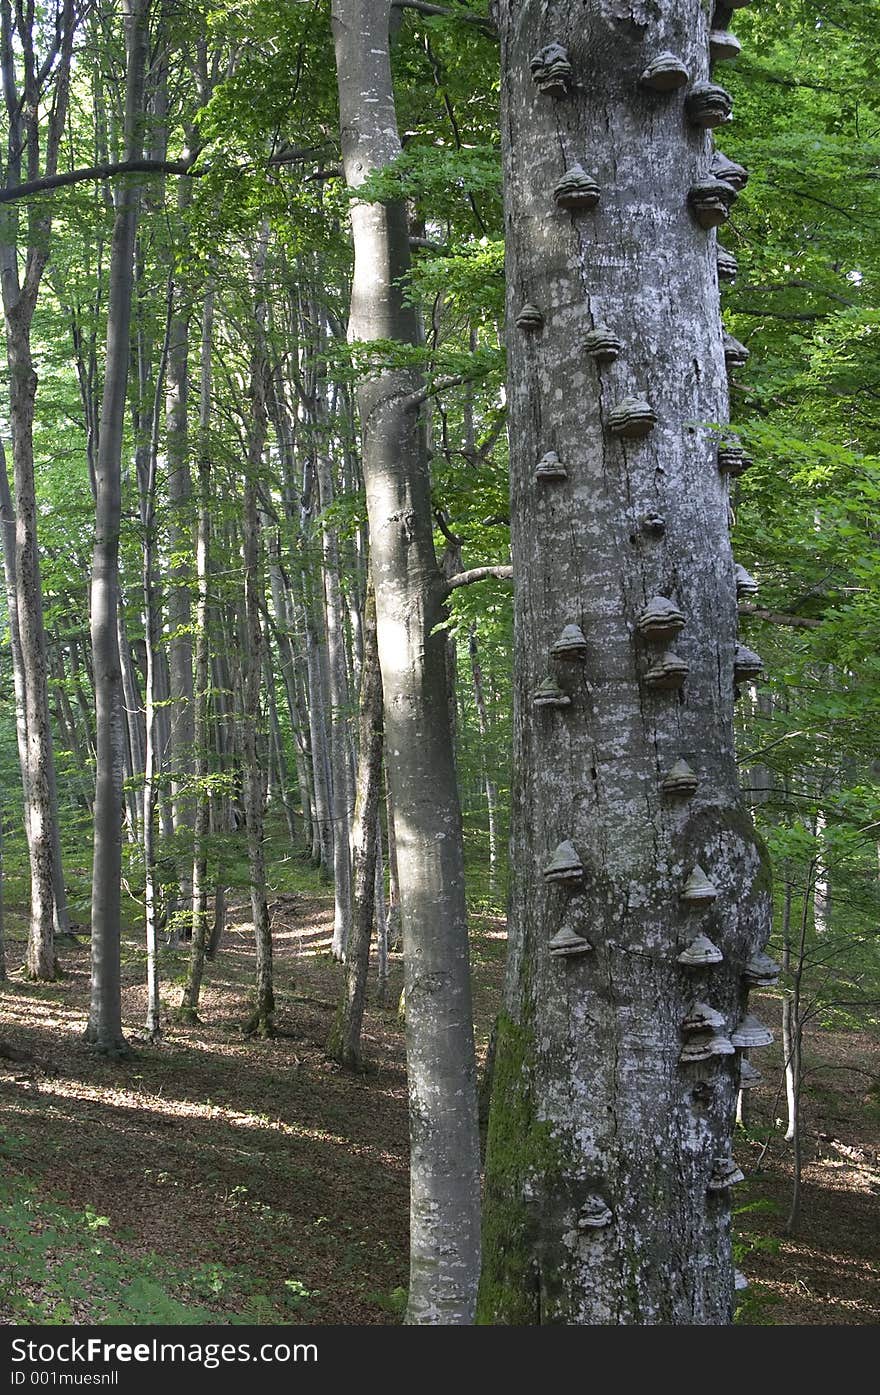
601 1146
444 1148
345 1042
104 1029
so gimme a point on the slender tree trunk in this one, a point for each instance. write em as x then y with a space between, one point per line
190 1003
261 1021
444 1145
105 1015
345 1042
339 702
605 1198
488 783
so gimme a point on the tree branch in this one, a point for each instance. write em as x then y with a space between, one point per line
777 617
477 574
481 22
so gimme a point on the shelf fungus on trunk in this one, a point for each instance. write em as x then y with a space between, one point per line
750 1032
702 1046
708 105
564 865
529 317
733 459
735 353
667 673
550 467
746 585
653 523
549 694
724 1174
724 47
761 971
632 418
660 621
665 73
576 191
595 1213
602 344
551 71
703 1018
710 202
571 645
729 171
698 887
749 1077
726 264
681 781
746 664
699 953
566 944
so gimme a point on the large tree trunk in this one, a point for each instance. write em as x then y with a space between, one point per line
444 1156
606 1159
105 1014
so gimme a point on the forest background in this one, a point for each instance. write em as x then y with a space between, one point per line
240 301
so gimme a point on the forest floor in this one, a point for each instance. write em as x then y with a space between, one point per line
215 1178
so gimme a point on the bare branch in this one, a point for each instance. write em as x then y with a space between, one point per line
477 574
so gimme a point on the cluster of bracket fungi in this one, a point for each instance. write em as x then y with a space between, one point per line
706 1033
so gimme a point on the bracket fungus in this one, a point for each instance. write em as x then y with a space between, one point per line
576 190
665 73
729 171
653 523
702 1046
746 585
724 1174
565 944
761 971
726 264
750 1032
551 71
595 1213
723 46
660 621
549 694
632 418
564 865
571 644
746 664
749 1077
680 780
699 953
529 317
708 105
550 467
602 345
703 1018
698 887
710 202
735 353
733 459
668 672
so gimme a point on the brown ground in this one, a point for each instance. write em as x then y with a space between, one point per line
265 1159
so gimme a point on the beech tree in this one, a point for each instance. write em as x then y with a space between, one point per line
410 591
640 895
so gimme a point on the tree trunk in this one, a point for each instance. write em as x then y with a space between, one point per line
488 783
444 1145
261 1021
603 1201
105 1015
345 1042
190 1004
